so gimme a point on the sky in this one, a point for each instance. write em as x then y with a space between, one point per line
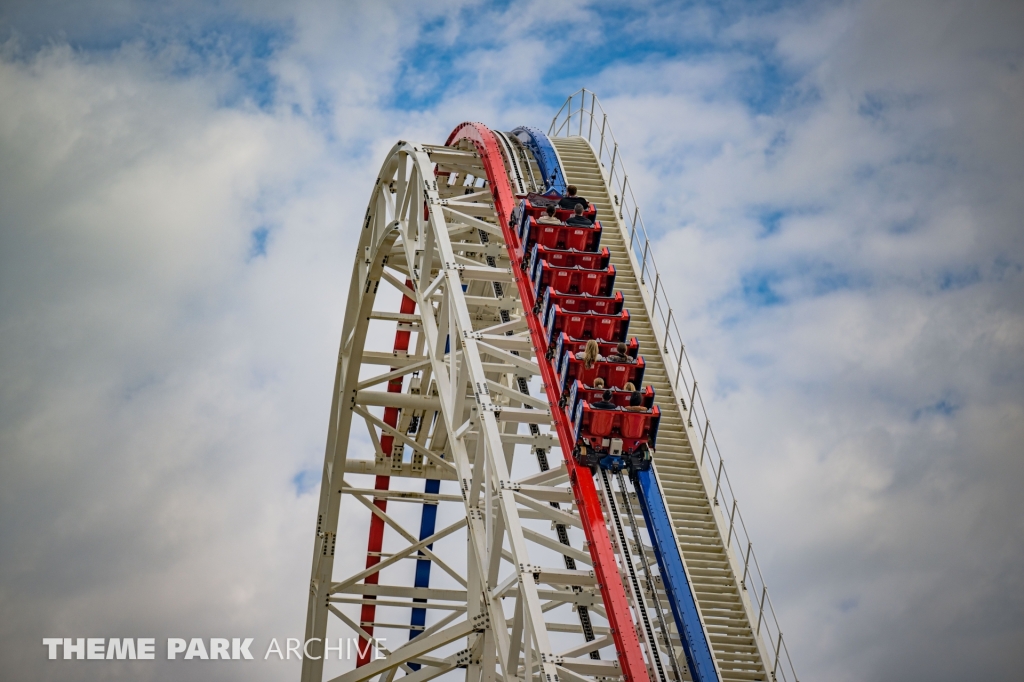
835 193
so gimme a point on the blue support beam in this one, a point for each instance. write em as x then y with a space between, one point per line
544 153
673 574
428 521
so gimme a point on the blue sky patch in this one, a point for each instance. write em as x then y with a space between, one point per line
258 242
952 280
947 407
439 64
243 50
306 481
831 280
771 221
872 106
905 226
765 88
758 290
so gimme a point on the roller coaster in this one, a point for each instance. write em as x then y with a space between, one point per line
537 480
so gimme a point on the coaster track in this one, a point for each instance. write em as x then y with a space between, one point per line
543 567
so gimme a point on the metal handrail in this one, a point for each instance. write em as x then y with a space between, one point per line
573 122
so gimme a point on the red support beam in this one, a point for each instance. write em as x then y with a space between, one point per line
376 540
627 644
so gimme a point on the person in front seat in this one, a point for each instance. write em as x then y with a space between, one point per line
605 403
578 219
549 217
571 200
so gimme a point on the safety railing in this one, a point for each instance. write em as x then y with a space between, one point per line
582 115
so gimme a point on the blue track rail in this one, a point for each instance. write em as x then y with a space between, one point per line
544 153
673 574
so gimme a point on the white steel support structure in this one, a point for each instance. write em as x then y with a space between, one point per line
433 237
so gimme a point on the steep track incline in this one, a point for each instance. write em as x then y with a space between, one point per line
718 592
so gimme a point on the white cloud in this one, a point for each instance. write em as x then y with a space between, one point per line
859 411
160 386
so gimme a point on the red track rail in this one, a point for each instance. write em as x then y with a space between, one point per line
627 644
376 539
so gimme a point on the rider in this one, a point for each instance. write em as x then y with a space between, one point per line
636 400
620 354
590 354
571 200
577 219
549 217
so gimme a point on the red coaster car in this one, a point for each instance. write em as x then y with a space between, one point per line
612 327
574 280
579 394
605 348
579 237
535 205
580 303
615 374
615 439
591 260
